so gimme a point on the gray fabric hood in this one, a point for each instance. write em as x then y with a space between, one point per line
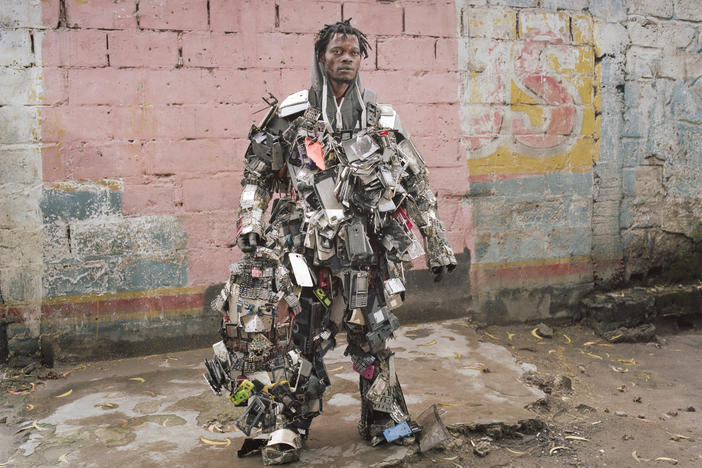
321 96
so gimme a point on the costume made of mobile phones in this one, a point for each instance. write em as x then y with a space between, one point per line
330 257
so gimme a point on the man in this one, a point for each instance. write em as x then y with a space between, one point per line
330 258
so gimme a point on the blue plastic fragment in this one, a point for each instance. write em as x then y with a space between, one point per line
398 431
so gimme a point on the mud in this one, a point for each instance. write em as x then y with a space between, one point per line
508 397
157 410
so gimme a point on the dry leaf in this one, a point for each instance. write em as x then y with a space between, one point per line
472 367
672 461
536 335
568 340
411 335
62 458
605 345
622 370
153 394
637 458
677 437
572 437
589 343
450 458
337 369
510 336
432 342
491 335
64 394
138 379
458 355
7 462
220 443
559 447
617 336
622 388
29 407
446 404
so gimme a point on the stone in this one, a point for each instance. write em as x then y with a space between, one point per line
610 11
610 38
659 8
15 48
643 62
482 447
544 330
19 124
688 10
640 334
566 4
21 14
20 166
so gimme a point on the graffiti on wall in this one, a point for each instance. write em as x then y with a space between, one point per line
529 104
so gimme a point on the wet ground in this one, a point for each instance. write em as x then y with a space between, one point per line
157 410
590 404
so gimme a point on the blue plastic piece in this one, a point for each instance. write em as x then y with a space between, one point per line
397 432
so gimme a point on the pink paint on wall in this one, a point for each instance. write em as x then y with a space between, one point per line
164 99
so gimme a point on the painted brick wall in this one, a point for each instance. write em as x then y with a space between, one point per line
530 129
560 135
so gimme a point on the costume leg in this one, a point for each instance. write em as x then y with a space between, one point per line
382 401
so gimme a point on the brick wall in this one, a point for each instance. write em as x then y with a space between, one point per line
559 135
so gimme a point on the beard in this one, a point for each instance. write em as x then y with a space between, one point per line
343 80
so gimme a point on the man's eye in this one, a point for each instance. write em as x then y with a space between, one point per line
355 53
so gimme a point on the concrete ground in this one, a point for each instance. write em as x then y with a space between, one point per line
158 411
589 403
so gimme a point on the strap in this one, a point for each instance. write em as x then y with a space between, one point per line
369 100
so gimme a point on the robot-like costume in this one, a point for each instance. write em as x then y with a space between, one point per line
348 185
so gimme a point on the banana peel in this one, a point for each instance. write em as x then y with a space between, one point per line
559 447
218 443
595 356
515 452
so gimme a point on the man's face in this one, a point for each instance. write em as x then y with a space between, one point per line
342 59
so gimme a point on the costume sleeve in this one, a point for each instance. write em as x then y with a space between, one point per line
257 182
422 207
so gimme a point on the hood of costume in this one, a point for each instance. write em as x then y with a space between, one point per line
321 95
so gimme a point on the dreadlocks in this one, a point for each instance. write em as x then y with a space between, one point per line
343 28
